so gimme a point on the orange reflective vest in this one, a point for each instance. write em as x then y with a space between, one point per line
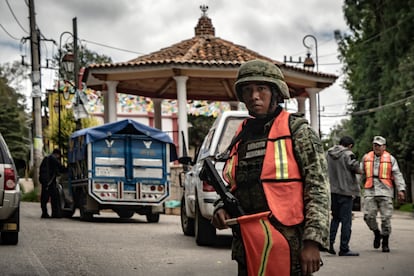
384 172
283 187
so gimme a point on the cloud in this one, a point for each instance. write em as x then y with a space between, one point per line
271 28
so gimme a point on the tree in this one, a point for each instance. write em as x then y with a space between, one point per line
67 127
200 125
379 66
67 123
13 118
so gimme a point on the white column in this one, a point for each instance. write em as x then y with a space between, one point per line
157 113
182 111
110 110
313 106
301 104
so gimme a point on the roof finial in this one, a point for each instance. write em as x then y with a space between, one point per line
204 9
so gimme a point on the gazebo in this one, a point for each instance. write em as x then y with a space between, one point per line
203 67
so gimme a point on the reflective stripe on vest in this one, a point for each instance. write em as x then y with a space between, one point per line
229 173
384 172
267 249
281 178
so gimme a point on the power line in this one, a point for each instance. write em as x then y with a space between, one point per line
15 18
4 29
111 47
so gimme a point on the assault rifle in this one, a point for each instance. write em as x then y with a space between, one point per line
231 204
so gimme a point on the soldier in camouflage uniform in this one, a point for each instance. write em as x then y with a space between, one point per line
381 174
261 86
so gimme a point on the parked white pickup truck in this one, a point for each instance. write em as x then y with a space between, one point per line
198 196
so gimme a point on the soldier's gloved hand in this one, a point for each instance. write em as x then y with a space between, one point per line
219 219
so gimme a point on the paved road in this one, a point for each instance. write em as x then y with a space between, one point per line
108 246
399 262
134 247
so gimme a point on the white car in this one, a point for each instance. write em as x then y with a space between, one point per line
9 197
198 196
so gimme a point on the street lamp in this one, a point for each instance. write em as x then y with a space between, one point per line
68 64
308 63
309 47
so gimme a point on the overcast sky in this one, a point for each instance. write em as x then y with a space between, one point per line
132 28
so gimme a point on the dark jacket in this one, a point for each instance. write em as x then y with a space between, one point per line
49 169
342 168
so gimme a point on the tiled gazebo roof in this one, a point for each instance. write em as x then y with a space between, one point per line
210 62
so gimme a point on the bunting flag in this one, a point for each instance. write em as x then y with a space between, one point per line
94 103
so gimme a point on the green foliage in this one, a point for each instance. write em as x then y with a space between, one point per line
200 127
336 133
407 207
379 66
13 119
67 127
32 196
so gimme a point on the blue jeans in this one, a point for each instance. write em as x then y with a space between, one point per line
341 207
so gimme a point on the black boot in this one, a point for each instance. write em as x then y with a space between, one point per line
331 249
385 247
377 239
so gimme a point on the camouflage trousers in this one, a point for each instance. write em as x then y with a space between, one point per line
383 204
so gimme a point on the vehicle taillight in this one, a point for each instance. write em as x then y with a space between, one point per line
9 179
207 187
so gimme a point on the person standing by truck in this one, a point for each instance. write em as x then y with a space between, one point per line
49 169
278 172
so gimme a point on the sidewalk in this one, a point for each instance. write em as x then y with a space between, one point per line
26 184
399 262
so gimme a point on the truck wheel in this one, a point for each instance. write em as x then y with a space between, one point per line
68 213
10 238
125 214
205 232
152 218
187 224
85 215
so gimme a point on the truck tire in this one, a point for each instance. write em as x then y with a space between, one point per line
125 214
85 215
63 210
187 224
153 218
10 238
68 213
205 232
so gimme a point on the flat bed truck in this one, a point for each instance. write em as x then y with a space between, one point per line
123 166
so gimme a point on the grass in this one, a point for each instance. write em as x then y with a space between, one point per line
32 196
406 207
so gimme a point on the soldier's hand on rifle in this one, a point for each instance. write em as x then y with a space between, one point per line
219 219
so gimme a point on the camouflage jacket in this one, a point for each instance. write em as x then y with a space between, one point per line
311 159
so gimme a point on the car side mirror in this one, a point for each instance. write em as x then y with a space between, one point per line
185 160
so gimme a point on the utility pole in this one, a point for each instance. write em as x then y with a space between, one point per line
76 69
36 94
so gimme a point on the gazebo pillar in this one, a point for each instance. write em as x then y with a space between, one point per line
182 112
110 102
301 104
157 113
313 106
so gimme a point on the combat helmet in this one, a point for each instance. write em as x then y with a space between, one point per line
262 71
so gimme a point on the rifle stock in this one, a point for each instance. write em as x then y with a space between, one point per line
231 204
